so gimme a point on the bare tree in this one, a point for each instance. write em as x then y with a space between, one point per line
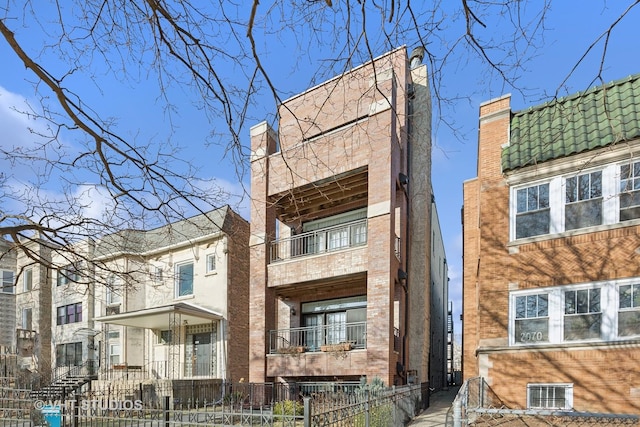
220 55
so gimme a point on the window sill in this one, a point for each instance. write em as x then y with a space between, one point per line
211 273
184 297
575 345
572 233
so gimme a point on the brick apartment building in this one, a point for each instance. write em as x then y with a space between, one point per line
552 252
162 304
341 233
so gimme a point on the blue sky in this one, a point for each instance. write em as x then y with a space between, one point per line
556 68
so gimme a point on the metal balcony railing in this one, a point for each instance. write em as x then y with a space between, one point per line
313 338
320 241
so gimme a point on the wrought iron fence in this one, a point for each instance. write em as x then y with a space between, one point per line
189 403
384 407
477 404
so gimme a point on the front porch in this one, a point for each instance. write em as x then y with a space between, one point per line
180 341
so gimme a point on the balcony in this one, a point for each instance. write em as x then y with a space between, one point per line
320 241
336 337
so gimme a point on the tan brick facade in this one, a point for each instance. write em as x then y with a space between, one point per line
340 147
604 374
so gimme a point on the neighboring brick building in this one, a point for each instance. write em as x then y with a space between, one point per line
552 252
341 234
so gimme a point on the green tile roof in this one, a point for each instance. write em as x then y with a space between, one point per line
598 117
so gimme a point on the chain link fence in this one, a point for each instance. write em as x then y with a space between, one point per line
477 405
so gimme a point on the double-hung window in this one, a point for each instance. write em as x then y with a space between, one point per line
629 310
27 280
184 279
630 191
549 396
582 314
71 313
7 286
583 201
211 263
532 211
68 274
113 290
532 318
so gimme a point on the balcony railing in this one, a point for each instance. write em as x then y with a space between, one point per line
312 338
320 241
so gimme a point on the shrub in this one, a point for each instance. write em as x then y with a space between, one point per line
288 407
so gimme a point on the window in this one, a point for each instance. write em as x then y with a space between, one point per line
184 279
629 310
211 263
582 314
156 274
113 290
583 201
335 321
164 337
114 347
71 313
532 211
8 285
68 274
27 319
550 396
69 354
532 318
27 280
630 191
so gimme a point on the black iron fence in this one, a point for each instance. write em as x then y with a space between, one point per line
218 403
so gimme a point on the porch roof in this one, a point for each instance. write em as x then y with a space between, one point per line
160 317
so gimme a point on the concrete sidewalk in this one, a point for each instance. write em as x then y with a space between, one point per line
436 413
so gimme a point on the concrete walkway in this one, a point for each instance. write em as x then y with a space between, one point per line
436 413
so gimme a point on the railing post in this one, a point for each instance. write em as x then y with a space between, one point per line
457 413
166 411
307 411
367 418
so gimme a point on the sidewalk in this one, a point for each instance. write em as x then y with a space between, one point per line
436 413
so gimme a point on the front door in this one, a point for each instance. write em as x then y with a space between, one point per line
198 354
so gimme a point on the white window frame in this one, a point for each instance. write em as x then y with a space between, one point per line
27 325
7 282
631 309
632 177
211 263
568 395
178 266
609 309
557 200
27 280
529 337
517 214
113 290
157 273
115 350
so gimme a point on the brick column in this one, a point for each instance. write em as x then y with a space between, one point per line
261 299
